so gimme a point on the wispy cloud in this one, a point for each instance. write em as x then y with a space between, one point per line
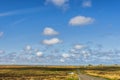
18 12
59 3
2 51
1 34
87 3
18 21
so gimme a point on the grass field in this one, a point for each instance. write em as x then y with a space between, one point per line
57 72
109 72
37 73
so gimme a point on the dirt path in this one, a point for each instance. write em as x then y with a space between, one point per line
86 77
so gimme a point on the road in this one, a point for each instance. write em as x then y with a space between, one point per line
87 77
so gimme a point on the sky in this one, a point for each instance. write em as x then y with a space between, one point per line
59 32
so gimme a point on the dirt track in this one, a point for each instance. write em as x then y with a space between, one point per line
86 77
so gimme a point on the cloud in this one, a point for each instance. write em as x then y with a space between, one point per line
85 55
62 60
81 20
28 47
50 31
65 55
18 12
104 58
18 21
39 54
87 3
78 46
51 41
8 13
1 34
59 3
2 51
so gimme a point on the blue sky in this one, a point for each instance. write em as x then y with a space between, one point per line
66 31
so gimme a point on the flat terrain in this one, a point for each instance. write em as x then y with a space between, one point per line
87 77
109 72
37 73
59 73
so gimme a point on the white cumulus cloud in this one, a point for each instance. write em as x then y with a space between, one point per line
51 41
81 20
39 54
50 31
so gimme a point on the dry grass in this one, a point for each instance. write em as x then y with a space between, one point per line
111 73
36 73
57 72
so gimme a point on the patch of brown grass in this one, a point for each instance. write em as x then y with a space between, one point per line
114 75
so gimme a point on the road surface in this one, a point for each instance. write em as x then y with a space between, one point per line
87 77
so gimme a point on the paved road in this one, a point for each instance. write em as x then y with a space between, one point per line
86 77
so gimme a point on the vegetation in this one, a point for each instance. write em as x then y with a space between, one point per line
108 72
37 73
57 72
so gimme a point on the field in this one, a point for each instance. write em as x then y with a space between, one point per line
57 72
109 72
37 73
